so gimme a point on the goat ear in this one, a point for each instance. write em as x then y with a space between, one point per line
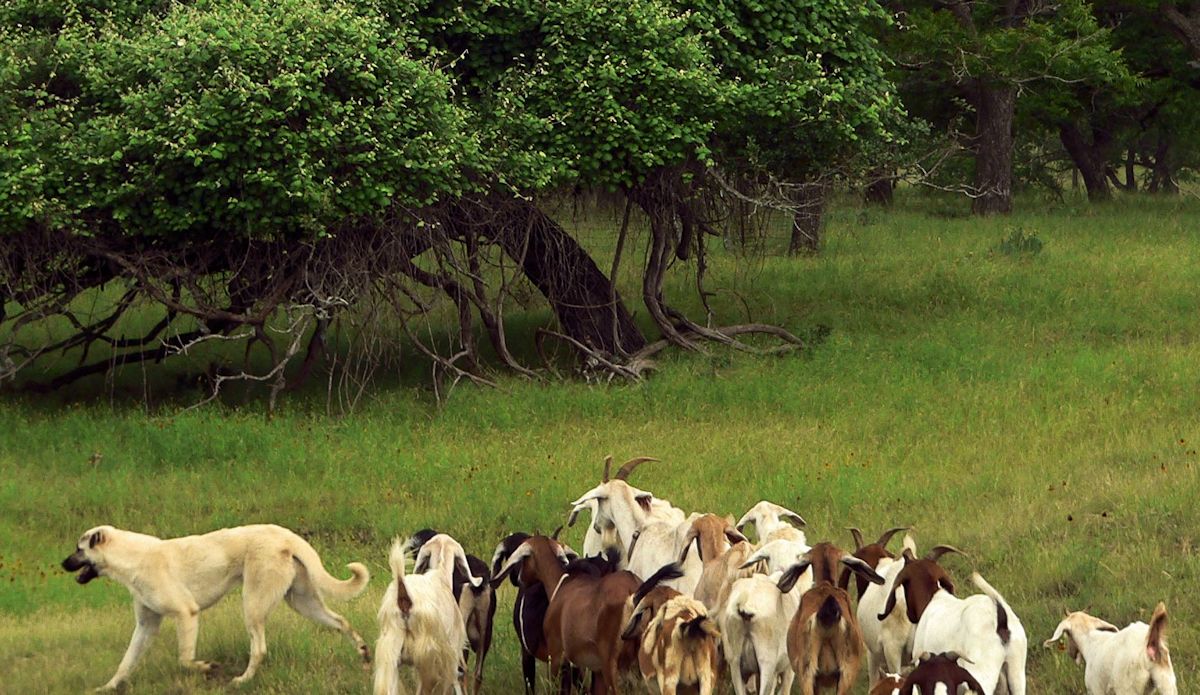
635 620
96 539
422 562
891 599
1058 633
643 500
748 518
862 569
518 556
691 540
1156 642
460 559
593 495
733 536
792 575
793 518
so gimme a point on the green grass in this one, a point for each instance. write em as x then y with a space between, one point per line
1039 412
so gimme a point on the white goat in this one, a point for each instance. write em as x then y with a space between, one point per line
983 629
773 522
420 622
754 627
889 642
1120 662
597 538
652 531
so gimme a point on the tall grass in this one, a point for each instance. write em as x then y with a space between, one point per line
1038 411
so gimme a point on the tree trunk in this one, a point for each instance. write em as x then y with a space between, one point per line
879 190
1185 26
806 220
994 148
1162 176
1130 176
1089 158
577 290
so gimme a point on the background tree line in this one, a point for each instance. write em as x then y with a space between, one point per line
269 172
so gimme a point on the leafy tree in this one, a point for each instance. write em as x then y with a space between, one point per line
979 56
236 162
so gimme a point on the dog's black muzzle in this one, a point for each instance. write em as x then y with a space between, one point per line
75 562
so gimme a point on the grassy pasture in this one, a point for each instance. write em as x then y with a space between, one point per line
1039 412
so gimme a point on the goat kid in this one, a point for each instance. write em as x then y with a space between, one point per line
420 623
1132 661
983 629
824 641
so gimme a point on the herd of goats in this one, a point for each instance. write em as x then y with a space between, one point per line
680 599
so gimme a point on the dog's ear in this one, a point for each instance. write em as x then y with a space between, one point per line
96 539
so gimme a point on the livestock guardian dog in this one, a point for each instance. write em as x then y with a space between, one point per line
179 577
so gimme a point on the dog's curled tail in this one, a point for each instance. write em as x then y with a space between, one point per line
326 583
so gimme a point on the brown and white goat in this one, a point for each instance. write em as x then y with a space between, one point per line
983 629
1132 661
940 674
586 612
825 644
677 650
890 684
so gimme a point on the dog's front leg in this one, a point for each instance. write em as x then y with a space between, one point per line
187 631
144 631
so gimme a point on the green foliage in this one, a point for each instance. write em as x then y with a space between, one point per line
1019 244
228 117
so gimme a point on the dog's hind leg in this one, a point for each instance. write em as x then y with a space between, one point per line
262 588
304 599
144 631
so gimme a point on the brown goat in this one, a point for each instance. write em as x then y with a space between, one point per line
825 644
587 610
722 549
942 669
870 553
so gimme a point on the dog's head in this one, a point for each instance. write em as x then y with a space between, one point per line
89 554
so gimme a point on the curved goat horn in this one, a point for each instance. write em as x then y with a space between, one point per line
858 539
887 535
607 467
556 532
939 550
627 467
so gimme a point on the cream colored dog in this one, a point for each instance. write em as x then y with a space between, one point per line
179 577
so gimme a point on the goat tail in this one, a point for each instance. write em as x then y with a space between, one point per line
388 650
327 584
1002 607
